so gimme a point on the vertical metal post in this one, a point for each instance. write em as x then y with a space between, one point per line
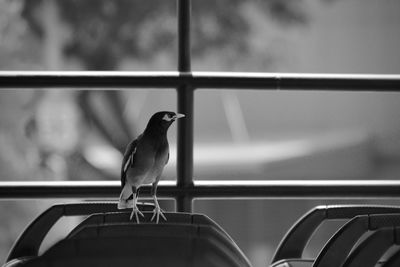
184 14
185 106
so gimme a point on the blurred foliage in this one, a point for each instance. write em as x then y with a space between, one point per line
17 45
104 31
101 34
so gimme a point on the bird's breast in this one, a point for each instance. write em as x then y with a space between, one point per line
149 163
160 159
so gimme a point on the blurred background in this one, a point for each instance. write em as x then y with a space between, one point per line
71 134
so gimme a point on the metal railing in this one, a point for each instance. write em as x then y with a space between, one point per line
186 82
207 189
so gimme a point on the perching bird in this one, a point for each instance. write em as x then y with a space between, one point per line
144 161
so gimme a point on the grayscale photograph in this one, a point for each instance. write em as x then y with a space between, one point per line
204 133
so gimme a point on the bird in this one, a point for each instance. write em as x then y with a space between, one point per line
143 163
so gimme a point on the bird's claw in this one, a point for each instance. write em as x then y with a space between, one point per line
157 212
135 213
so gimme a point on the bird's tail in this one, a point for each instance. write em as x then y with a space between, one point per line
123 198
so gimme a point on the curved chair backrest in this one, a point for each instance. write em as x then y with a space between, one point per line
394 260
145 245
295 240
172 217
31 238
370 250
337 249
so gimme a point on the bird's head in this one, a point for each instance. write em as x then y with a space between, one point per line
163 119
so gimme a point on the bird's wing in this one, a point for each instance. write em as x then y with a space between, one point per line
128 159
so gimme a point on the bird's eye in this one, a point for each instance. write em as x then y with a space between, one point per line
167 117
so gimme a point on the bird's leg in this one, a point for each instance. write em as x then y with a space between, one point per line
135 210
157 212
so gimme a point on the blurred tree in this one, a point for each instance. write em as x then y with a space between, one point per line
105 31
102 34
17 46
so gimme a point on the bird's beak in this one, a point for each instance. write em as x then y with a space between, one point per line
178 116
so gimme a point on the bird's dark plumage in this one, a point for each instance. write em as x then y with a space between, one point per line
128 159
144 160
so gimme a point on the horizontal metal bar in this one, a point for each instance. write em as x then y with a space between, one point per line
201 80
298 189
88 79
207 189
73 189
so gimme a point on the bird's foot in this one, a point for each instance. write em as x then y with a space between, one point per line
157 212
135 214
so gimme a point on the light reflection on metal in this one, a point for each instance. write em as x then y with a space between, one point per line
208 189
200 80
